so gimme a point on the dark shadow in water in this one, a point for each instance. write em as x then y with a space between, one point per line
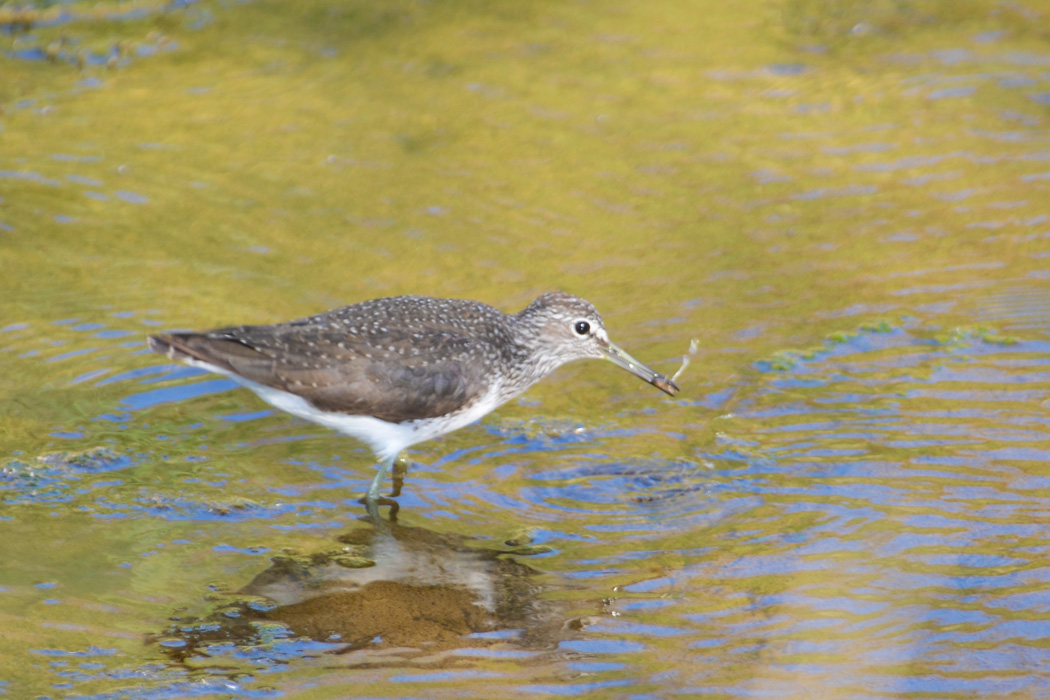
383 587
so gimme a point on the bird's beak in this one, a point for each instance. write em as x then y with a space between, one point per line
618 357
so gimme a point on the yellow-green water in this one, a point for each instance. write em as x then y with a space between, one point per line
845 203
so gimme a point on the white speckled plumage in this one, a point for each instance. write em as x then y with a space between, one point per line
397 371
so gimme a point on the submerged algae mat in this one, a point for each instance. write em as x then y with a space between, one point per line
843 203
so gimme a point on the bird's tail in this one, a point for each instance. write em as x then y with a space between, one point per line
192 348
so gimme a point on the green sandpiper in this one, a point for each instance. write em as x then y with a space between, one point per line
396 371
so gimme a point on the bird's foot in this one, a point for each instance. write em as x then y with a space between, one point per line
372 506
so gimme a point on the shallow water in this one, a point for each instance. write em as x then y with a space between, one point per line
845 204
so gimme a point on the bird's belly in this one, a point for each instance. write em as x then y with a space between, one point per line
386 439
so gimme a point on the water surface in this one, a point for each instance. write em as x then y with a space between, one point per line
843 203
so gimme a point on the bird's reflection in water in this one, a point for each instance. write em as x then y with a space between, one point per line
387 587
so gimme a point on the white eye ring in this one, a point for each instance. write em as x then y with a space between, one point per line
581 327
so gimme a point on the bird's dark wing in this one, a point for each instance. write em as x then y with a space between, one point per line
389 374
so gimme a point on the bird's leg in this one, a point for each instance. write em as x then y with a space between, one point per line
373 510
377 483
400 469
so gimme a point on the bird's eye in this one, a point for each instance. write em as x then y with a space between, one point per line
582 327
